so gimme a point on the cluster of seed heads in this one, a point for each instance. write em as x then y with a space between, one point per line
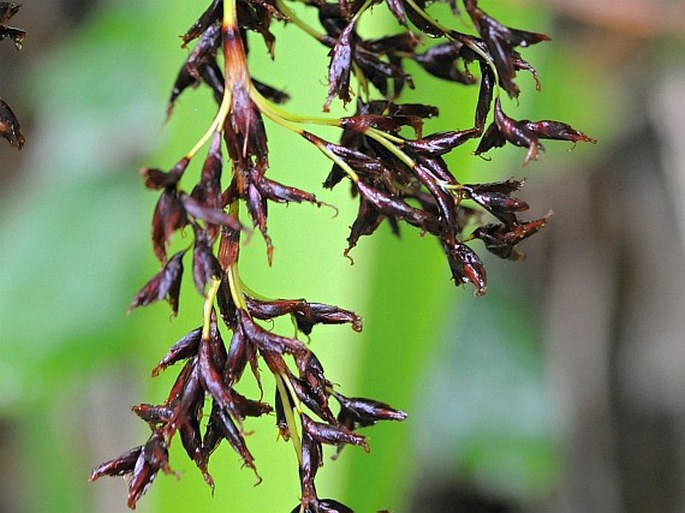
397 174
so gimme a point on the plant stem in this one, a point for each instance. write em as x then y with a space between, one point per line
289 417
208 306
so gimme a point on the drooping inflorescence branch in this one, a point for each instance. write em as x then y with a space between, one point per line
9 124
395 177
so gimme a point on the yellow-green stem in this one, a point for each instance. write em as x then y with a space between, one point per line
230 13
272 110
340 162
381 137
361 10
292 17
289 417
234 286
362 83
216 125
209 306
229 20
253 293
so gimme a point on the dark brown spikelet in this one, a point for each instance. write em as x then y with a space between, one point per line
153 457
166 284
398 171
496 198
527 134
340 68
9 126
169 216
358 412
501 42
442 61
122 465
501 239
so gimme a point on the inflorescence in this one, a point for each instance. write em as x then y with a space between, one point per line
395 177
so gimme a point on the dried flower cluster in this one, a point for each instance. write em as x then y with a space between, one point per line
9 125
395 177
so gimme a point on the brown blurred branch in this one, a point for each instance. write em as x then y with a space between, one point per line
637 18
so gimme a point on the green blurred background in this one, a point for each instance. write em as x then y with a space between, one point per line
561 390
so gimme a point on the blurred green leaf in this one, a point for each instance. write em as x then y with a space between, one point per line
70 218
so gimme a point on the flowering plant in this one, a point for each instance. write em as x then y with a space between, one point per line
397 174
